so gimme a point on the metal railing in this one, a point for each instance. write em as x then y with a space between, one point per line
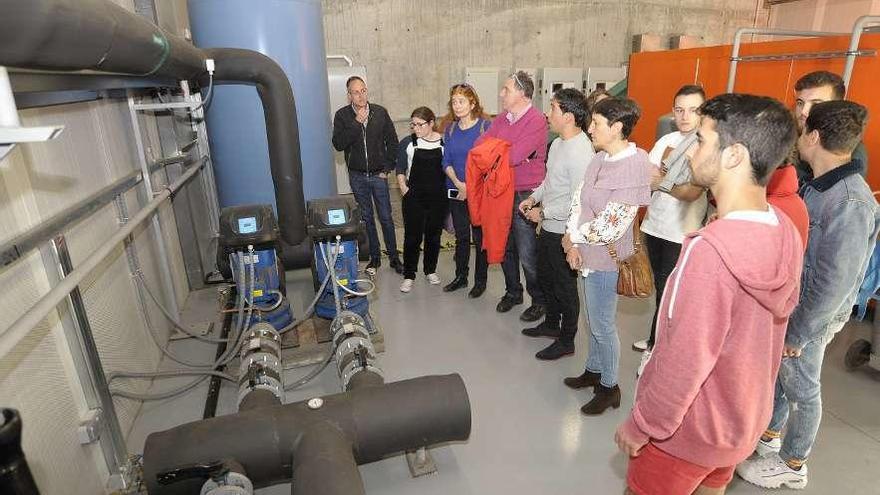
853 50
33 316
31 239
737 43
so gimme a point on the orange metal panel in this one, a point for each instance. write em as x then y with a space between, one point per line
655 76
659 84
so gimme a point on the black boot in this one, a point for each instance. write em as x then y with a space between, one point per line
396 265
459 282
533 313
477 290
507 302
587 379
604 398
556 350
542 330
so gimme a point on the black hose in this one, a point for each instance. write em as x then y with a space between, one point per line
15 475
214 385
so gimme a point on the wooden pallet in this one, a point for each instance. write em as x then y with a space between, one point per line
310 343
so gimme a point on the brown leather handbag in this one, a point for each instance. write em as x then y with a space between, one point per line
635 277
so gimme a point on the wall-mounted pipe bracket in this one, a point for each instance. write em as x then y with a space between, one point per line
11 130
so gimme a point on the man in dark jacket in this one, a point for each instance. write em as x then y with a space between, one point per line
365 133
811 89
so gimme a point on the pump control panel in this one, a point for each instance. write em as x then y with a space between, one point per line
336 215
248 224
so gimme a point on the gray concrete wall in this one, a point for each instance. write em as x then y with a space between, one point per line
414 50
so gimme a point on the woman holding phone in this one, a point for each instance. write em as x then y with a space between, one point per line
422 183
466 122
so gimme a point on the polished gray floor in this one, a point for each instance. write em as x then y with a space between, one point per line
528 435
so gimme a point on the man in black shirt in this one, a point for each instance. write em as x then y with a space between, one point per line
365 133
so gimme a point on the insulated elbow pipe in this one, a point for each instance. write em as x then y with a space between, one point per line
273 87
102 36
269 441
325 464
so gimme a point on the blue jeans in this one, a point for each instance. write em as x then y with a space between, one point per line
522 248
366 189
600 304
798 400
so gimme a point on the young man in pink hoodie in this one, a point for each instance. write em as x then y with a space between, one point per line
707 392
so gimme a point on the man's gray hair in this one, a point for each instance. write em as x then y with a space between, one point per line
524 82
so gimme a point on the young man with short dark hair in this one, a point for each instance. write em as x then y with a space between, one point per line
814 88
677 207
707 389
549 206
843 230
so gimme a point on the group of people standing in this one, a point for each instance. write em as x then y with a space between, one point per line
759 228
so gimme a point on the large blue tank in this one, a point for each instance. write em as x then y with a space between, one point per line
291 32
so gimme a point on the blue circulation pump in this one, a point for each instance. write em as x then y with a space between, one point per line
248 248
334 226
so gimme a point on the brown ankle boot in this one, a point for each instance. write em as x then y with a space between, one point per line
587 379
604 398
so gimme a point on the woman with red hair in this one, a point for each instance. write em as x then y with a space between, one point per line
464 123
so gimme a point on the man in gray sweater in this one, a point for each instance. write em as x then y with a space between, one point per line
549 204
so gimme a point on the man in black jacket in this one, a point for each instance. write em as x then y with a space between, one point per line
365 133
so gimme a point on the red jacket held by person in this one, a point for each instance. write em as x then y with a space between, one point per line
489 181
782 192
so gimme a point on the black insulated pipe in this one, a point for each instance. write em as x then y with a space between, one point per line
100 35
269 441
325 464
91 35
15 475
273 87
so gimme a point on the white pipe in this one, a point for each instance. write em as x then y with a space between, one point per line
856 36
737 41
8 111
346 58
33 316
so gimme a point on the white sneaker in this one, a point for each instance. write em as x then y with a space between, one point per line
433 279
406 285
646 356
765 449
772 472
640 346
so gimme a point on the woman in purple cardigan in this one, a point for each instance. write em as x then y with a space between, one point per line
617 182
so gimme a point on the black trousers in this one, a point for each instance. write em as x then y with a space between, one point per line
461 220
423 218
663 256
559 284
